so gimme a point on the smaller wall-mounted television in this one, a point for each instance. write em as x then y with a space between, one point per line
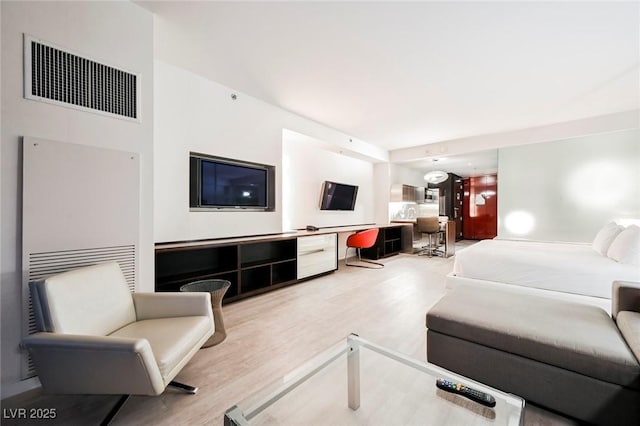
338 196
226 184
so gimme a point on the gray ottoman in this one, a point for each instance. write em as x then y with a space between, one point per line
568 357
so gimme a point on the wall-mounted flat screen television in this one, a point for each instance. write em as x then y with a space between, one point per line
338 196
224 183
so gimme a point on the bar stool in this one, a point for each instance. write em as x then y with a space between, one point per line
431 227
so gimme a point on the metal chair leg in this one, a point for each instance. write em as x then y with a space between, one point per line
370 261
430 245
429 249
114 411
361 260
186 388
124 398
367 261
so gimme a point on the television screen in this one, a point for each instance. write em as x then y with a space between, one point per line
230 184
338 196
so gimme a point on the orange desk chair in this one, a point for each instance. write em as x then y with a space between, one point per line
360 240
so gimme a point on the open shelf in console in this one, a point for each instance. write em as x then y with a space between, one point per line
264 264
283 272
261 253
388 243
175 267
392 240
255 278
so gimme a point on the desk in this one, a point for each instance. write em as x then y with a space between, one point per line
393 238
349 229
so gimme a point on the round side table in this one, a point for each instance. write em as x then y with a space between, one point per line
217 288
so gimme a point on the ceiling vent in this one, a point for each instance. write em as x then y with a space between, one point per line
57 76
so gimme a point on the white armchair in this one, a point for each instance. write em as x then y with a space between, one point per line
96 337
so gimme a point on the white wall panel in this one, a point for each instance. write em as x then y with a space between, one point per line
567 190
77 196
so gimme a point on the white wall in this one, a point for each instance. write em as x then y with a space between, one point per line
117 33
382 184
406 175
196 114
567 190
305 168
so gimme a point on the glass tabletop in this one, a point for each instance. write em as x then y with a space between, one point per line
358 382
205 285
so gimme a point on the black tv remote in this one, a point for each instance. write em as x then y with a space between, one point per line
467 392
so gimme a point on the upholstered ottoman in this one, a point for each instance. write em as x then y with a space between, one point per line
568 357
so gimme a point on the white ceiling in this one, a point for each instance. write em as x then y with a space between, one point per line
476 163
412 73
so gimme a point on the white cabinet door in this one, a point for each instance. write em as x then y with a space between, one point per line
317 254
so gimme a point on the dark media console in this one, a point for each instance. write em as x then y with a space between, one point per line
254 265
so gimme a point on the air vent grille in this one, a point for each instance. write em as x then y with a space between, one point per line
58 76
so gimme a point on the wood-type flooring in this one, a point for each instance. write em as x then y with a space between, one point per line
271 334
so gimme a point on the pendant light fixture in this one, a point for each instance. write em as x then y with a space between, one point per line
436 176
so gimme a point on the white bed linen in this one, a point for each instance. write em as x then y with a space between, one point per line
565 267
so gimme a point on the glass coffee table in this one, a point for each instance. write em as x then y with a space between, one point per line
359 382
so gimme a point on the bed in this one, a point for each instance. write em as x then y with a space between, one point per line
562 270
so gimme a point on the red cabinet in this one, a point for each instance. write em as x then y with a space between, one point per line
480 208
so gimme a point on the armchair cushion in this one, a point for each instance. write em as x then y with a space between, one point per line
165 305
171 339
93 300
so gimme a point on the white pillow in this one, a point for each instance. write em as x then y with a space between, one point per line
626 246
605 237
